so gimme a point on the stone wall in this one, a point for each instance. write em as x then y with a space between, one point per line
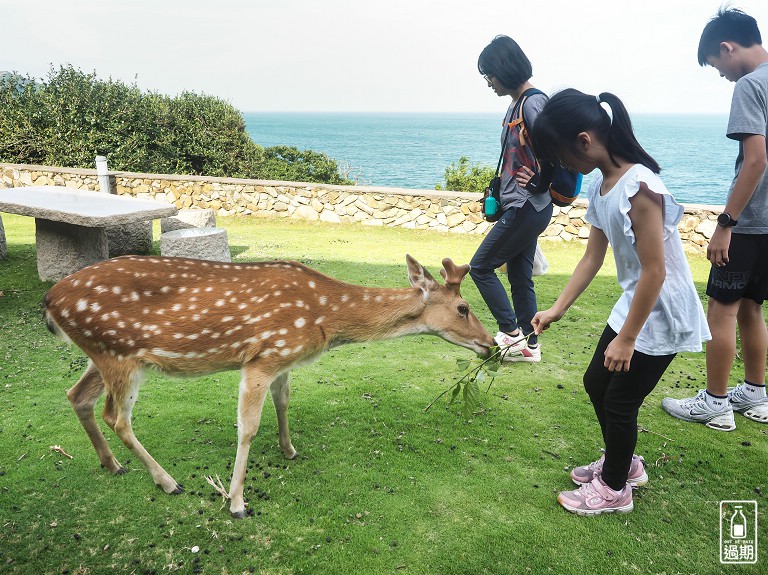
374 206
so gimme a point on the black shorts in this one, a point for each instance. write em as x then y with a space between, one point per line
746 273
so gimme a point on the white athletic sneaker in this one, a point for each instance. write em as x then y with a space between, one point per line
515 348
750 407
697 410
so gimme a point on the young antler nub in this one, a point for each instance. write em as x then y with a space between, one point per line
191 317
453 274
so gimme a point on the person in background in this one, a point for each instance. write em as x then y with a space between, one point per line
659 312
738 250
512 240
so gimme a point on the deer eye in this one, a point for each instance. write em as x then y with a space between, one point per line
463 310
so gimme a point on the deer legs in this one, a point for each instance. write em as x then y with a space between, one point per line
281 390
253 390
83 396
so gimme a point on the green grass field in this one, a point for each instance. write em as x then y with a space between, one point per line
379 486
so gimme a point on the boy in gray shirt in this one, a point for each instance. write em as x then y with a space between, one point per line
738 250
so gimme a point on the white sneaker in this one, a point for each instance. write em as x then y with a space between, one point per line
510 344
697 410
743 401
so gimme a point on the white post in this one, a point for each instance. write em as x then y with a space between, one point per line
103 174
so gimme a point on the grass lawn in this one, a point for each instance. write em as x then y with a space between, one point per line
379 486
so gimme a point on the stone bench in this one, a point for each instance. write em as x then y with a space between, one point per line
196 243
204 218
71 225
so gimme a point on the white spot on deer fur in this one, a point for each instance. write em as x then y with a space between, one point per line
65 313
277 293
95 307
176 307
378 298
323 300
178 335
114 314
301 322
134 296
285 352
182 289
82 305
165 289
227 318
116 290
242 306
319 320
87 333
283 331
311 284
193 336
121 324
286 304
280 343
344 298
209 289
220 303
267 334
100 289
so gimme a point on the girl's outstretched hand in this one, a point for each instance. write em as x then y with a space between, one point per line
543 319
618 354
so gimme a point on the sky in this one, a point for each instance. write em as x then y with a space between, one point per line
384 56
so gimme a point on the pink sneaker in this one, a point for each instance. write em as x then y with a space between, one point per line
596 497
637 476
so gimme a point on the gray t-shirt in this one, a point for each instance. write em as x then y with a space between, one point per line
516 156
749 116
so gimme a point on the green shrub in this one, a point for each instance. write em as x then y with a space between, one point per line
465 177
72 116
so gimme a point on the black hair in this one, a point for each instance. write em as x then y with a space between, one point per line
570 112
729 25
504 60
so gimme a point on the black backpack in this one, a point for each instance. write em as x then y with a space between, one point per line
563 184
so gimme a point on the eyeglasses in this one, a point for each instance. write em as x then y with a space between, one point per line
487 78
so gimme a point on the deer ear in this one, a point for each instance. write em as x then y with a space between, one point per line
420 277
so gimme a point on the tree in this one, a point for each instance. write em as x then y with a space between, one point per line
72 117
465 177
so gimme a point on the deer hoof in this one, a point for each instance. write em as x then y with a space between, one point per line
291 456
179 489
239 514
121 471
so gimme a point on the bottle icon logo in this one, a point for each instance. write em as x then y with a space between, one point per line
738 524
738 532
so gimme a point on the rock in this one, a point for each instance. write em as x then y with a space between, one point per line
188 219
197 243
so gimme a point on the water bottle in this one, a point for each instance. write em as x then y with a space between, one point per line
491 206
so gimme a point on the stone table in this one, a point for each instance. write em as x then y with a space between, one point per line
70 225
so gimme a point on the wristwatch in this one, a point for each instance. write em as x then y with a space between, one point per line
726 220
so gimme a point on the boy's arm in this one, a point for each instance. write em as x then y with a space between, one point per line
752 170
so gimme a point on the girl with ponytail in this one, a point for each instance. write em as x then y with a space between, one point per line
659 312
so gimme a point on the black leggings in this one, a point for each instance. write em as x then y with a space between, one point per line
616 397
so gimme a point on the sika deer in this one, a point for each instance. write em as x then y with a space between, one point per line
191 317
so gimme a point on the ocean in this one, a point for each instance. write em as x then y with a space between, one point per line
413 150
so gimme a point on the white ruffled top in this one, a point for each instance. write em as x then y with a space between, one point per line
677 322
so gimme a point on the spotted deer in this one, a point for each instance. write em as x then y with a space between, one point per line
192 317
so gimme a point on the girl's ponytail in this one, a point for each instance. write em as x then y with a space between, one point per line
570 112
621 139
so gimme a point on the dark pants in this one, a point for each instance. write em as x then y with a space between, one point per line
616 397
511 241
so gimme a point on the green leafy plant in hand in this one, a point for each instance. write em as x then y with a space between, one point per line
476 372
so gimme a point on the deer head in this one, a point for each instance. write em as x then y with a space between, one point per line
192 317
